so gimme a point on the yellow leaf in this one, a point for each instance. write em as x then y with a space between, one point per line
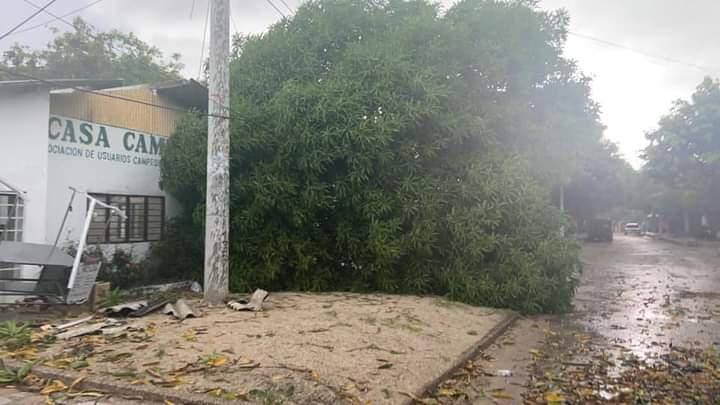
190 335
315 375
169 402
348 386
449 392
76 382
87 394
501 394
553 398
54 386
29 353
218 361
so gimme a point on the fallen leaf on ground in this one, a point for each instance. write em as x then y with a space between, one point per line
218 361
501 394
87 394
415 398
449 392
553 398
190 335
54 386
76 382
221 393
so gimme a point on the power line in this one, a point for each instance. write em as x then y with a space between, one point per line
108 95
276 8
61 19
77 10
202 47
30 17
286 6
640 52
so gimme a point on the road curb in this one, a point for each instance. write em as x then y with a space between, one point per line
120 389
684 243
489 338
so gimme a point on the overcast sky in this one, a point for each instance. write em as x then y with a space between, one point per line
634 87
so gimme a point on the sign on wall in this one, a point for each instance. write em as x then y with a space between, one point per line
101 143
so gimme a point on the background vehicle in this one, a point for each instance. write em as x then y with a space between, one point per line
632 228
600 229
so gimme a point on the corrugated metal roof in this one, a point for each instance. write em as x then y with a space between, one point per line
186 93
177 96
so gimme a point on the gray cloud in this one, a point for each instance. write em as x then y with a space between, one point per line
634 90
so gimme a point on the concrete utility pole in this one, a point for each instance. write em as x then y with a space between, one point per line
562 206
217 199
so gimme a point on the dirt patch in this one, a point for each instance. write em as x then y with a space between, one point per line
319 348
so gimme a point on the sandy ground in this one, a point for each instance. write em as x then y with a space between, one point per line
639 299
320 348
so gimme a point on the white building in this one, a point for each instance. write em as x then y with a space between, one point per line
56 137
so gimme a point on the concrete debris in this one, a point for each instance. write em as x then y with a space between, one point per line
124 309
73 323
254 304
152 307
180 310
86 329
115 331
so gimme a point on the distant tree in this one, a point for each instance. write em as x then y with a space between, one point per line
606 182
683 154
90 54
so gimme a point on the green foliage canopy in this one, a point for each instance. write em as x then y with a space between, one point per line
683 154
85 53
388 146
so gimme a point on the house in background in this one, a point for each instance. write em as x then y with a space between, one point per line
56 137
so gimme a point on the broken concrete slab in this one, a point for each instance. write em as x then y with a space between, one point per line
74 323
180 310
151 307
124 309
255 303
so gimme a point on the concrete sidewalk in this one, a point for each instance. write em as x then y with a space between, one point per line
683 240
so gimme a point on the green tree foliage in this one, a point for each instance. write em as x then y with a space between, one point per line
388 146
683 155
606 184
85 53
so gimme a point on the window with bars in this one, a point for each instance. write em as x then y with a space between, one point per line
144 223
12 211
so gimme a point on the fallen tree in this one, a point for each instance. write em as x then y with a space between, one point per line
386 146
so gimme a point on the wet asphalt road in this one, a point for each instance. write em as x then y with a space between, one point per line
638 298
646 294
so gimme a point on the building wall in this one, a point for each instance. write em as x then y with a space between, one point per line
24 153
98 158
